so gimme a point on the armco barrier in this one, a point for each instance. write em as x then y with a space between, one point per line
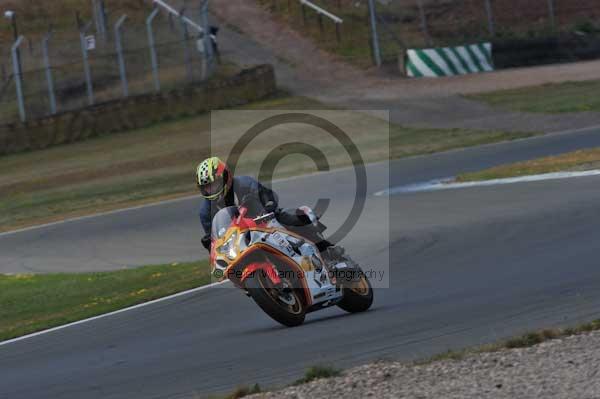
449 61
137 112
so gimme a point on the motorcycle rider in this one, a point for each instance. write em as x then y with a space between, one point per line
221 189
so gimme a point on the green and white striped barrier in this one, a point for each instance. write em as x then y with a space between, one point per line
449 61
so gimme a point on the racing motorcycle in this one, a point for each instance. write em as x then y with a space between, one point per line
282 271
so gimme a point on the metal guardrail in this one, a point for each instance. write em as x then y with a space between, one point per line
322 11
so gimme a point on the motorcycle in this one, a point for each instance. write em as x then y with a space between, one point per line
282 271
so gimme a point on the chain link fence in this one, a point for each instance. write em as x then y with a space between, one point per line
402 24
112 55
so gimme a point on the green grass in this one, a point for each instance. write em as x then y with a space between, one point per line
523 341
549 99
31 303
318 372
157 162
241 392
573 161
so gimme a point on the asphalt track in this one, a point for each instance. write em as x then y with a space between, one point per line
466 267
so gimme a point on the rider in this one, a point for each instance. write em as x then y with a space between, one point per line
221 189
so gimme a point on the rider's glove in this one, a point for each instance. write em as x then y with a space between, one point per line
206 242
270 206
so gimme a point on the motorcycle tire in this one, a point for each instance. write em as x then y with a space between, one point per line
358 296
261 291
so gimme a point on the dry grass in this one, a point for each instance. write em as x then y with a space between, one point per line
573 161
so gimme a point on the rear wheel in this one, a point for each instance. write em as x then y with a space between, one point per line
282 303
358 295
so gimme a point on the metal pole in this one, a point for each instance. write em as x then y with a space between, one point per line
86 64
49 79
490 16
424 26
152 46
208 49
186 48
17 72
15 28
96 16
552 15
99 18
103 19
121 59
374 36
338 32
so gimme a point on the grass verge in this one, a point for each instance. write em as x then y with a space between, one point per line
155 163
570 162
31 303
552 98
523 341
241 392
318 372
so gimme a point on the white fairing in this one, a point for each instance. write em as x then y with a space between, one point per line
317 277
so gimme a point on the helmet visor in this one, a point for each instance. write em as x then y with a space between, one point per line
212 190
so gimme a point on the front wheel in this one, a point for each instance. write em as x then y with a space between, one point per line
358 295
283 304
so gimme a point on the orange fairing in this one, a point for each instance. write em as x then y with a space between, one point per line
258 249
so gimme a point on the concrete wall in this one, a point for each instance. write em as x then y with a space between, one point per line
137 112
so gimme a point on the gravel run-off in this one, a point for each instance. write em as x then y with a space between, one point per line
562 368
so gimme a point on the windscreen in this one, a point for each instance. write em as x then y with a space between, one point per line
222 221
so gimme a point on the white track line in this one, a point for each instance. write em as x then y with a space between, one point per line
446 184
141 305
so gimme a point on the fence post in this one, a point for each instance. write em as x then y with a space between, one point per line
423 19
103 19
186 48
120 57
48 68
490 17
18 77
374 36
552 14
96 16
152 47
86 63
338 32
208 55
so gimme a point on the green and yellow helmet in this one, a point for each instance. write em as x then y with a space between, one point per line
213 178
